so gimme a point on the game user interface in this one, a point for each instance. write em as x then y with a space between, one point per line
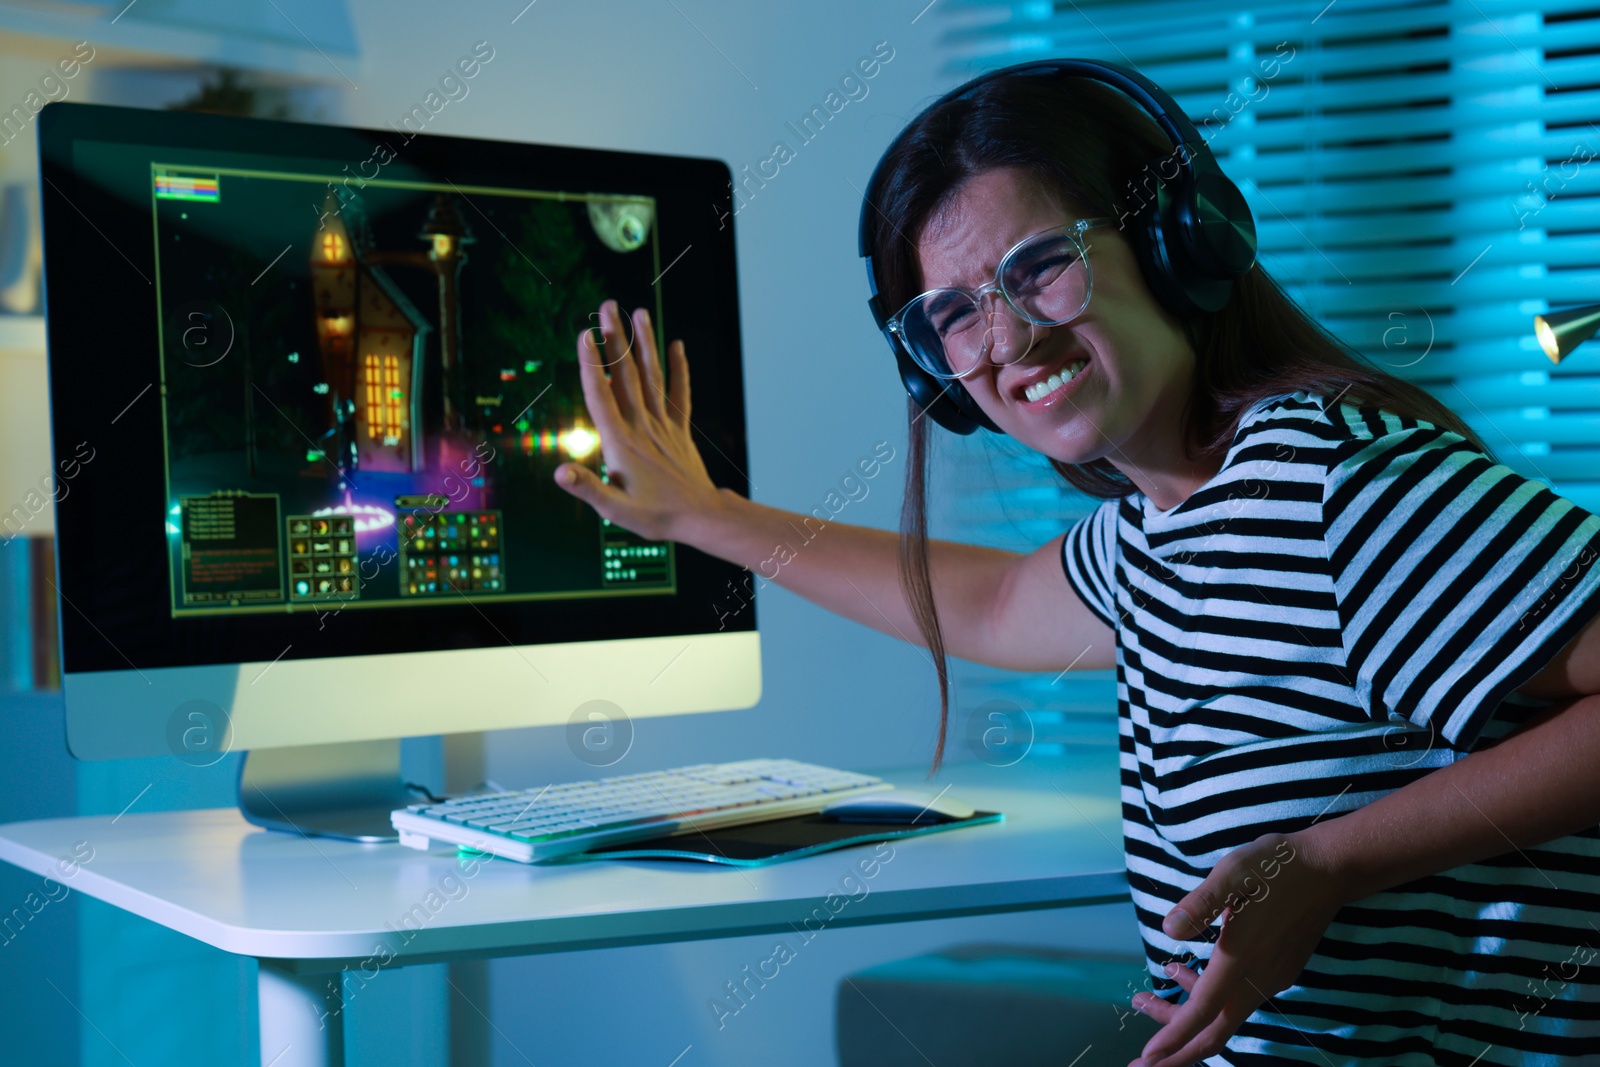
367 388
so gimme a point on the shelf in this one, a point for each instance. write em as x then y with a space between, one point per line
24 417
313 40
22 333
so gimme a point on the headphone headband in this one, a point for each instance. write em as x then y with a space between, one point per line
1150 96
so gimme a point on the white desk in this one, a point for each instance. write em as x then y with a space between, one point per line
308 909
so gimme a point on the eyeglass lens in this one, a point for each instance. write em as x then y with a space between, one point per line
1046 280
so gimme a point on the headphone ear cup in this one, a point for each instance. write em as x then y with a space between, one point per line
1152 251
957 394
946 402
1219 231
1175 279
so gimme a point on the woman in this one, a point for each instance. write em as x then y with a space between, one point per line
1354 656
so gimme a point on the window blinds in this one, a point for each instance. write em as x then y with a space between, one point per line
1423 180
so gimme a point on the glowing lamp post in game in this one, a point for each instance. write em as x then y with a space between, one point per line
448 234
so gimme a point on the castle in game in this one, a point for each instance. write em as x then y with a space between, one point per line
373 340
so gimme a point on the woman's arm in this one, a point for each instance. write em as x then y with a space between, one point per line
999 608
1534 786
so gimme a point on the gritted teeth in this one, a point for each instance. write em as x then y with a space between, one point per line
1039 390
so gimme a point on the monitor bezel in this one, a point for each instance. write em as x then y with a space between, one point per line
116 631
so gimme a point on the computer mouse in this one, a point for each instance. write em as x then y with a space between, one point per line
901 806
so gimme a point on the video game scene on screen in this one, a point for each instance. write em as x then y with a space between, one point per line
375 416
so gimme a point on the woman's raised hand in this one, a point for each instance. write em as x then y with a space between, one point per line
657 480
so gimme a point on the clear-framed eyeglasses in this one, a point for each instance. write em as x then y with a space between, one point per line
1044 278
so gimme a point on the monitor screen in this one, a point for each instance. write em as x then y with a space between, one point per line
387 435
310 386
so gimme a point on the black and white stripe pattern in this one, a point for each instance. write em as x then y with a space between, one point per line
1349 604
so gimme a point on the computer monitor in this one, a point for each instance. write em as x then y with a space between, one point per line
309 386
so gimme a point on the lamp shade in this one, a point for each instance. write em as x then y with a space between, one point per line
1561 332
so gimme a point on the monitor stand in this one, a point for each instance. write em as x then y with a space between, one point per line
344 790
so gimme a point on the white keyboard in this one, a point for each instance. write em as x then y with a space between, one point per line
535 824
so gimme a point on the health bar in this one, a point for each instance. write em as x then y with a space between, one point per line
187 187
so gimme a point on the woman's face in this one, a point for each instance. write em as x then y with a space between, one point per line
1125 403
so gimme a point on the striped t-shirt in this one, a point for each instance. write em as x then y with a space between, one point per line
1346 606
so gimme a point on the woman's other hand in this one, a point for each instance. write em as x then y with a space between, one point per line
1275 898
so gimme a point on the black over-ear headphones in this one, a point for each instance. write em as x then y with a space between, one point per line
1193 237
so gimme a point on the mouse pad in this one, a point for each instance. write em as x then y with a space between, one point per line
757 844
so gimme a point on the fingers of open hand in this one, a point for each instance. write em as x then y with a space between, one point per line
1201 1025
678 382
645 435
1156 1007
1210 994
599 395
636 381
646 356
1212 1039
586 485
621 346
1201 907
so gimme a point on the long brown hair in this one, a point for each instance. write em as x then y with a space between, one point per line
1094 146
